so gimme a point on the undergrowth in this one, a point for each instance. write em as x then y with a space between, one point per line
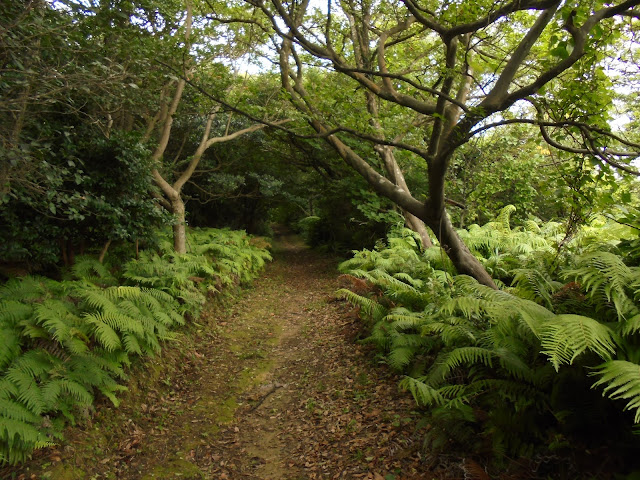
64 342
543 367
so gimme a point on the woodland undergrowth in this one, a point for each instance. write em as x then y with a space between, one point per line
66 342
531 374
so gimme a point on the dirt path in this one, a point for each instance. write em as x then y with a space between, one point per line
272 387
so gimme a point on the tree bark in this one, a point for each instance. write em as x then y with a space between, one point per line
363 58
397 177
464 261
418 226
180 227
103 252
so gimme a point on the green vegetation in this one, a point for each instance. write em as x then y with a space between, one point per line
66 341
520 370
344 121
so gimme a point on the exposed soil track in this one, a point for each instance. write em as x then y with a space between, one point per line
272 387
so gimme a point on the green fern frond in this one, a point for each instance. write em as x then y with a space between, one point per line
621 380
631 326
604 273
10 341
90 269
373 310
468 305
27 289
103 332
423 394
514 391
131 344
452 331
24 373
117 321
18 439
95 298
534 285
569 335
56 317
400 357
504 217
122 292
110 393
405 321
54 389
467 356
12 311
17 411
159 295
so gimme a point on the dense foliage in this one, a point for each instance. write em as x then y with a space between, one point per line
64 342
519 372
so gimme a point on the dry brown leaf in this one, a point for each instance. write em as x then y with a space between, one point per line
473 470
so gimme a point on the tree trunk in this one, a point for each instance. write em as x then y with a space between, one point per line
464 261
103 252
418 226
179 228
396 176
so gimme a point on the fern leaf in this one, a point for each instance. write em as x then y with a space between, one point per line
53 389
400 357
370 308
56 317
10 341
468 356
570 335
17 411
90 269
103 332
423 394
622 381
18 439
11 312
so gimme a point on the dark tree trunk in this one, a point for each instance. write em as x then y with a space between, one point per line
464 261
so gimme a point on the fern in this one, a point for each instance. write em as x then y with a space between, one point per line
503 353
91 270
606 278
369 307
64 342
621 380
571 335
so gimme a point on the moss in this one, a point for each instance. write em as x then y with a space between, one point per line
176 468
65 472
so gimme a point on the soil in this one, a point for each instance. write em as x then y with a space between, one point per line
274 385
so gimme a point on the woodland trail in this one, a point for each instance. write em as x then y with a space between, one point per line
273 386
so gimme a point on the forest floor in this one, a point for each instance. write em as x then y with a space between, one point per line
272 385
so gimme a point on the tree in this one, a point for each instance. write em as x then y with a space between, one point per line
171 97
461 68
64 146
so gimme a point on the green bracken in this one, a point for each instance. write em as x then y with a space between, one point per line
506 370
66 341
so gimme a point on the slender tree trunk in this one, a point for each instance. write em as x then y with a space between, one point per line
63 251
396 176
179 228
103 252
418 226
5 183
